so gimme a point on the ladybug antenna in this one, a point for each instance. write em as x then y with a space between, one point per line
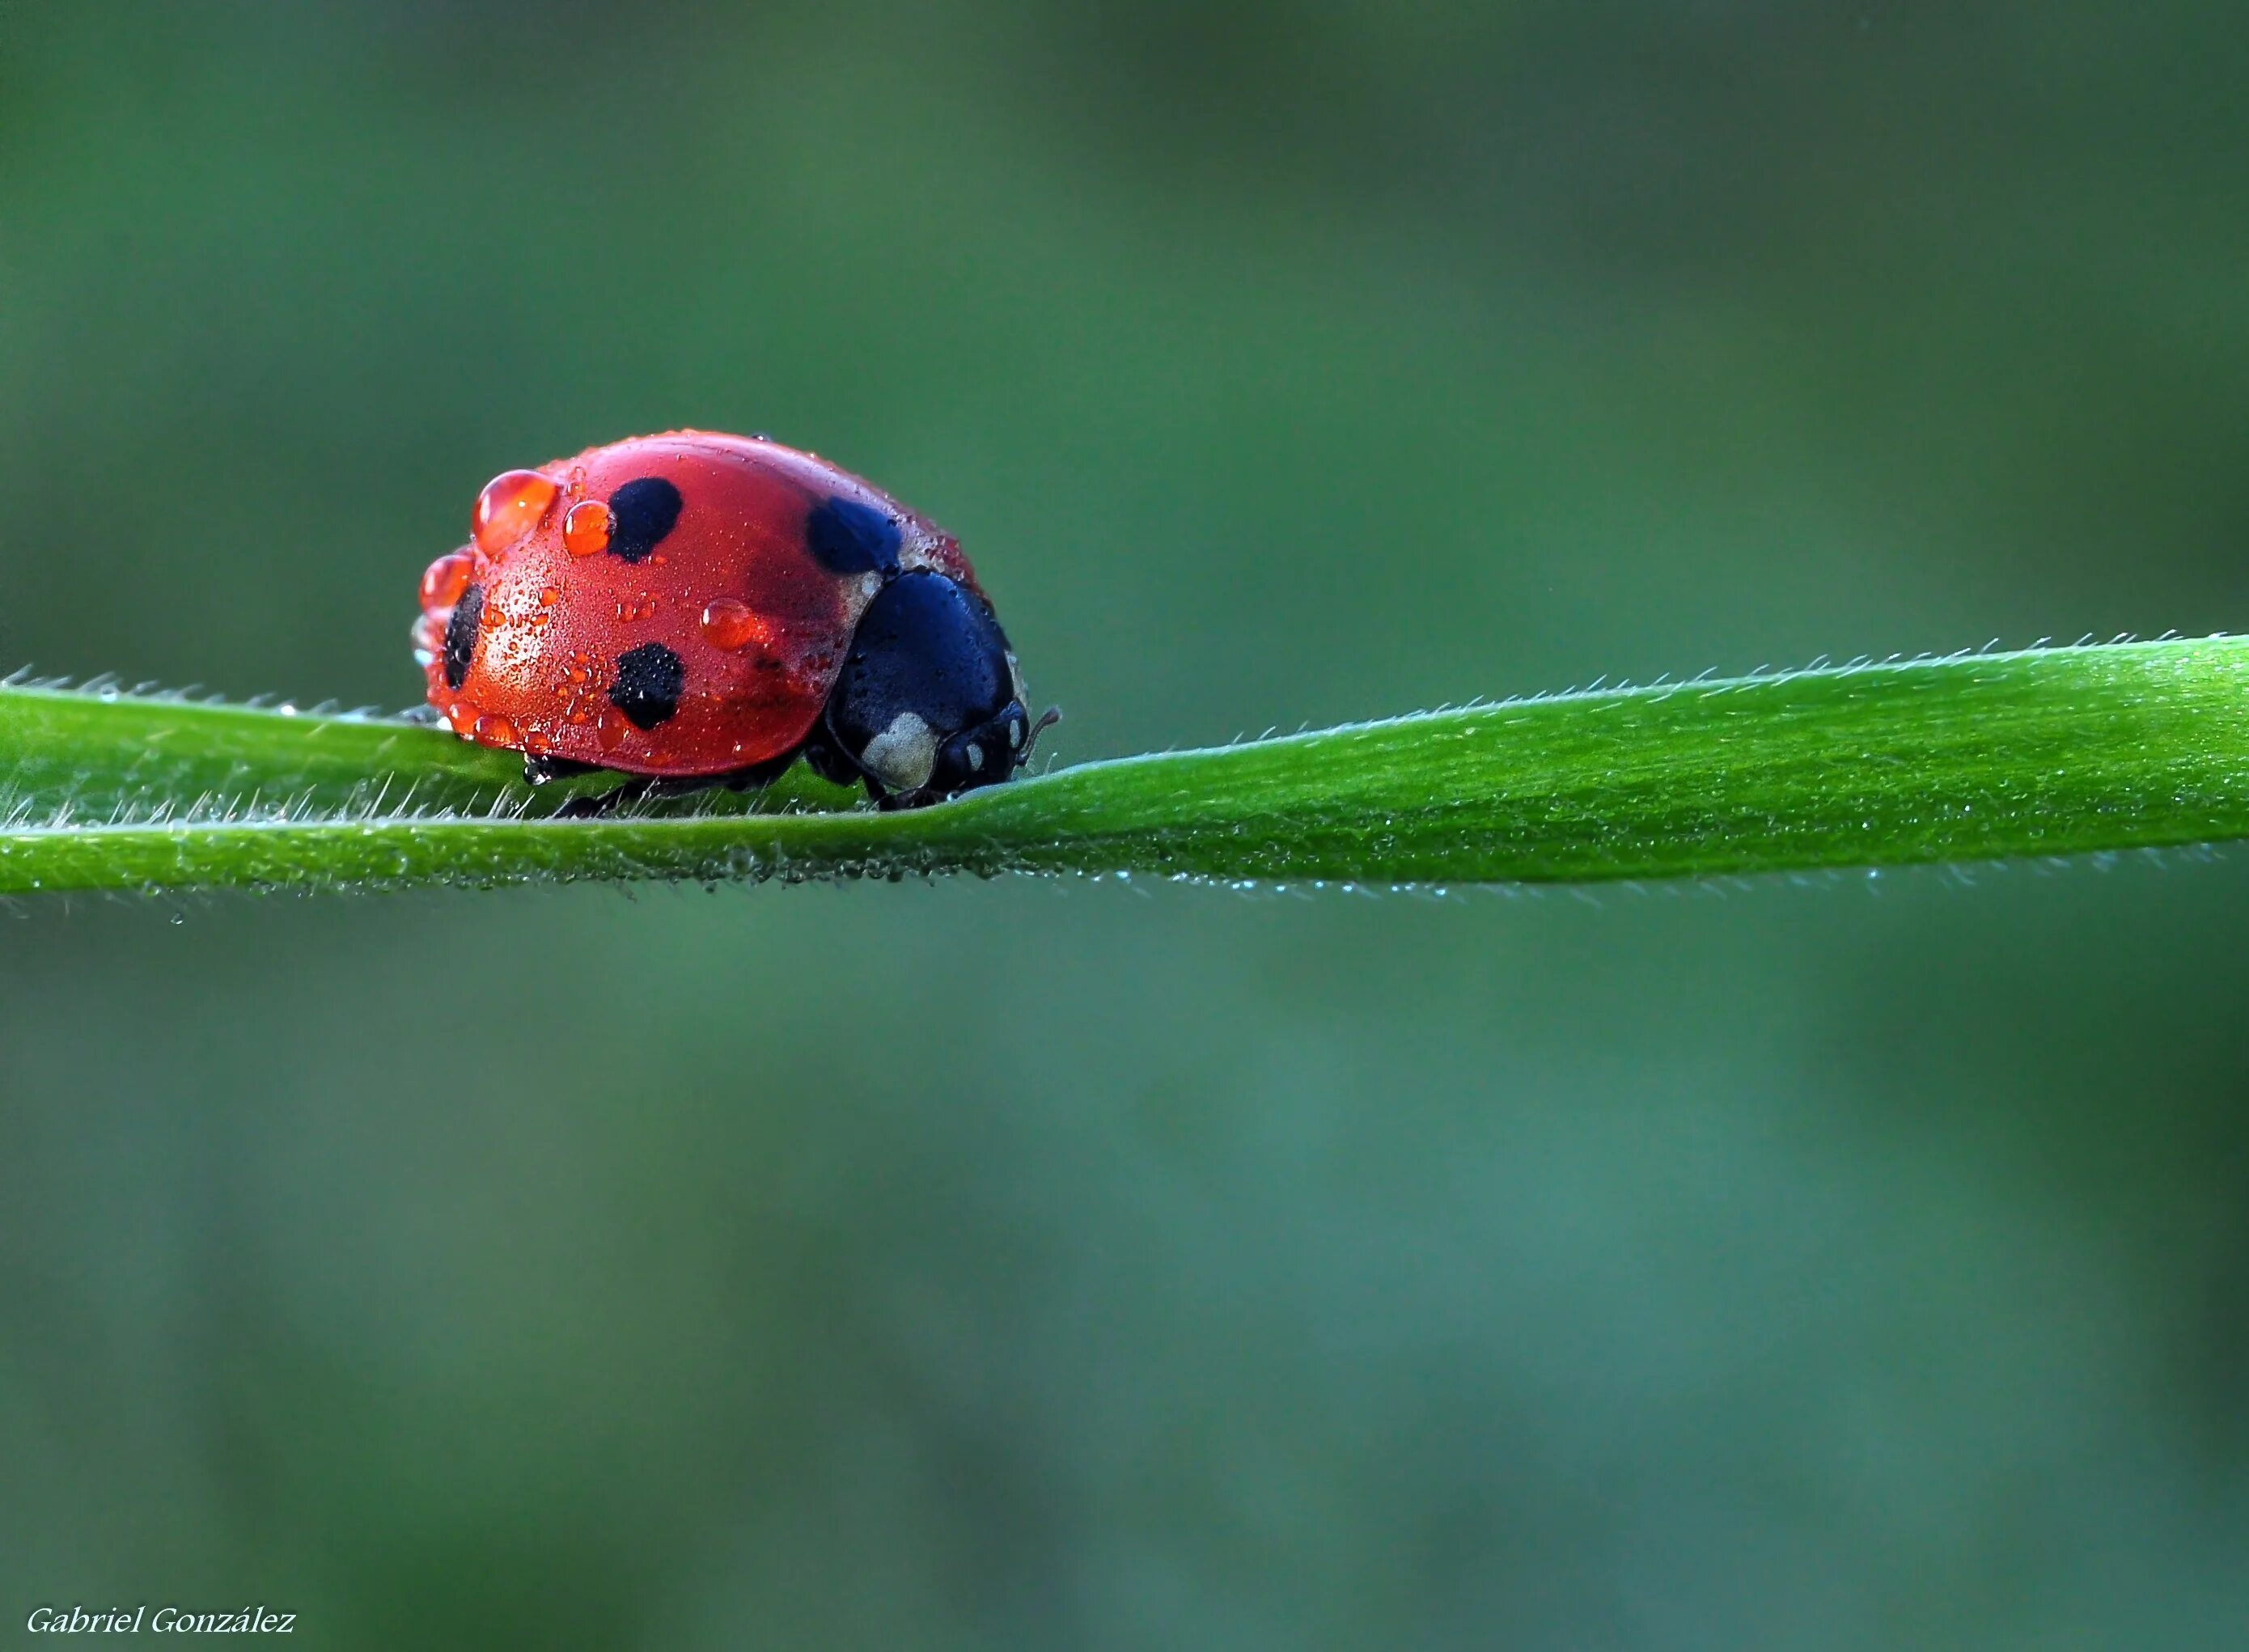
1048 718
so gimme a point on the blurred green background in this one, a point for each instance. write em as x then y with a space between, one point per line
1846 1263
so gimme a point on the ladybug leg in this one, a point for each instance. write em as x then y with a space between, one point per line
888 801
826 758
757 777
644 788
606 803
653 788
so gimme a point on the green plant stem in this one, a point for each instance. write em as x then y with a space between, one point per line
2056 751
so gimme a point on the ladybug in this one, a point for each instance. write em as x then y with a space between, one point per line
695 610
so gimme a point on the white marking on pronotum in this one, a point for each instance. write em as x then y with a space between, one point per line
904 755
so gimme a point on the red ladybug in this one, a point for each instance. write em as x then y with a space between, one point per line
697 609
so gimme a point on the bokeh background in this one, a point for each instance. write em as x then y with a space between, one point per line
1846 1262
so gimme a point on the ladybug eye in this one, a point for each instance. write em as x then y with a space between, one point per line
511 505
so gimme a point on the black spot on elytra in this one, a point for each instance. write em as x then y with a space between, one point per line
461 635
846 537
641 513
649 681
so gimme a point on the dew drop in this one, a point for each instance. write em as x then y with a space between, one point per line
586 530
494 731
444 580
512 505
732 624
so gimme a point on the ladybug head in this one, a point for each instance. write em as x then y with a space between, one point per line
928 704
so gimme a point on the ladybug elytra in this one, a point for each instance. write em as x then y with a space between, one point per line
694 609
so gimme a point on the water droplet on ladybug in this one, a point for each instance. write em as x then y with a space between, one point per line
444 580
494 731
730 624
462 720
586 530
512 505
537 744
430 633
